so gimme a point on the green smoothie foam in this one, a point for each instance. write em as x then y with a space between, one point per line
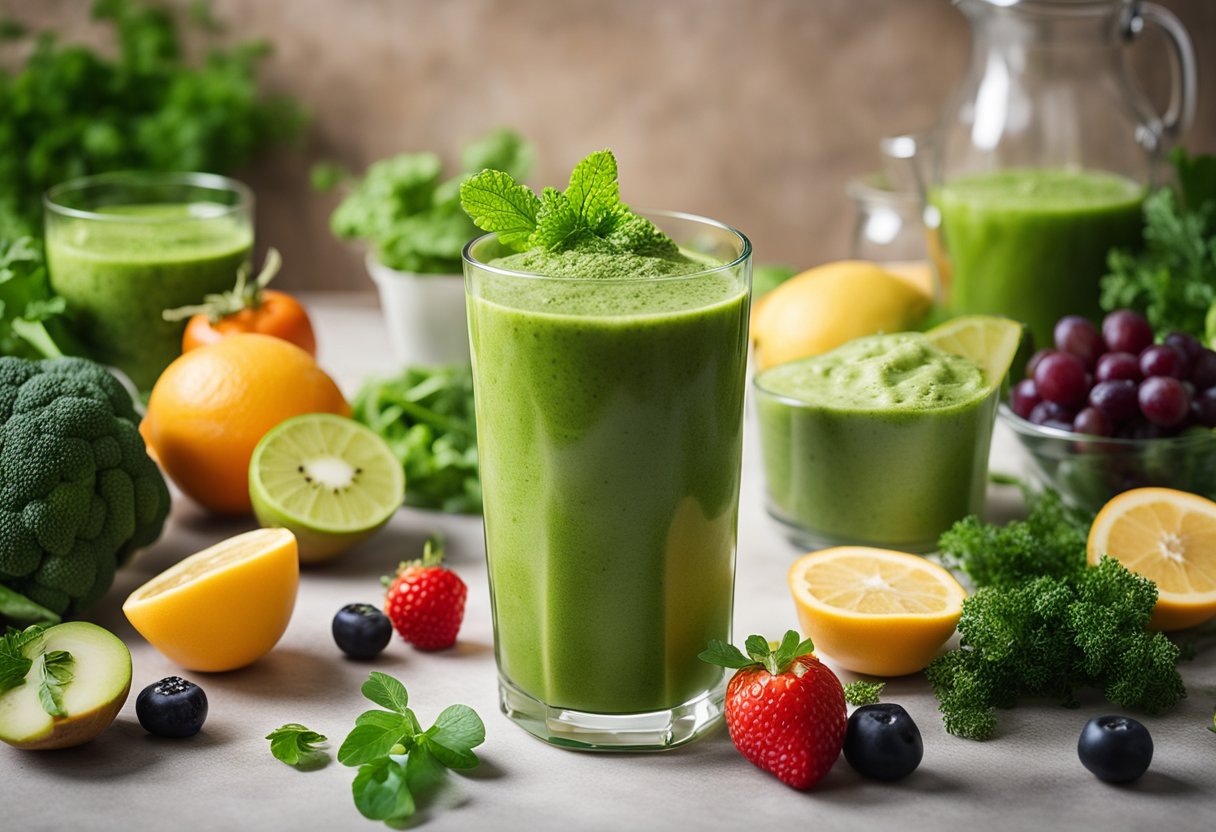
1032 243
881 441
118 276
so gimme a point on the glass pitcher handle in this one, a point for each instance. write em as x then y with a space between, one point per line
1181 111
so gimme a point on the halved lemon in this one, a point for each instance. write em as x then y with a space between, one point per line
1169 537
988 340
224 607
875 611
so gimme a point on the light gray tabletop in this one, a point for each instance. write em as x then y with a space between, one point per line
225 779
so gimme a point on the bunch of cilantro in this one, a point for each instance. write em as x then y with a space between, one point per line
411 215
1044 624
426 416
70 111
1172 280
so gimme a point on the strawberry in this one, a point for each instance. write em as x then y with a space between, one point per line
425 601
784 708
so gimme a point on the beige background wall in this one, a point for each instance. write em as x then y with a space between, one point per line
755 112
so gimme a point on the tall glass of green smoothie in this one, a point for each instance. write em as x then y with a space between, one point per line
609 376
124 247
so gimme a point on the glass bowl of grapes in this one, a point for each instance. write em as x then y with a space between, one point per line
1116 407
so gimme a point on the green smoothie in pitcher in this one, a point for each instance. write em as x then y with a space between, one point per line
608 374
1031 243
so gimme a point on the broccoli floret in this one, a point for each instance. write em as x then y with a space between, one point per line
1051 636
78 492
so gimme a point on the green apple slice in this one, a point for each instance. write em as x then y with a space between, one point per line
329 480
101 680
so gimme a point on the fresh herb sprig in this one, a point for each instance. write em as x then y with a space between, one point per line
14 664
57 673
1172 280
32 322
426 416
298 746
862 692
17 658
396 758
589 213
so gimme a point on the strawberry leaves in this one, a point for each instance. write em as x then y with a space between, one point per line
759 653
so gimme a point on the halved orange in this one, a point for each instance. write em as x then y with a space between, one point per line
1169 537
875 611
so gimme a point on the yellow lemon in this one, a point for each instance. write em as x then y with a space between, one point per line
1169 537
224 607
875 611
827 306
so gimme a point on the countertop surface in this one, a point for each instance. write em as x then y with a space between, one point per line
1028 776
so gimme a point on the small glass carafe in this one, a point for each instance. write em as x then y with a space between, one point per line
1043 156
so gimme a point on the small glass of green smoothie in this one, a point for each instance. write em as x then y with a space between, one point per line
124 247
882 442
609 390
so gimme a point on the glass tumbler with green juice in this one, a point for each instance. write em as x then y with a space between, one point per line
124 247
609 388
1044 156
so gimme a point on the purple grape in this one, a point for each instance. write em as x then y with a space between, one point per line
1024 398
1116 400
1126 331
1060 378
1203 408
1188 345
1091 421
1119 365
1163 360
1163 401
1078 336
1203 370
1038 356
1051 414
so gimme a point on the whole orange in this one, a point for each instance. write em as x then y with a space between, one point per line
211 407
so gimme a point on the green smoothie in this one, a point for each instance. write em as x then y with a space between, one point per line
120 270
609 418
883 441
1032 243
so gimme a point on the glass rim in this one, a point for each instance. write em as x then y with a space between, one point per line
745 252
1060 8
868 189
211 181
1024 428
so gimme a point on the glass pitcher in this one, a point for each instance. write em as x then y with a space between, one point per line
1045 153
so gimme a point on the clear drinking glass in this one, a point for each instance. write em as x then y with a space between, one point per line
609 427
124 247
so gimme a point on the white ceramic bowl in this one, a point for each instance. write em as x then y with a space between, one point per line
424 314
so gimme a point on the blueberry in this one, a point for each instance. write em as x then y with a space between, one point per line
883 742
362 631
1116 749
172 707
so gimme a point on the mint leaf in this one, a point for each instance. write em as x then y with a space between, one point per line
56 674
724 655
386 692
456 732
862 692
374 735
382 792
14 665
556 222
296 746
423 772
497 203
593 193
758 648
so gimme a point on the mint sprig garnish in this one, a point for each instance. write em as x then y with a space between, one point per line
14 664
56 674
296 746
398 761
588 211
759 653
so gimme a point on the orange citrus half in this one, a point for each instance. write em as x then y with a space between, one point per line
224 607
1169 537
875 611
